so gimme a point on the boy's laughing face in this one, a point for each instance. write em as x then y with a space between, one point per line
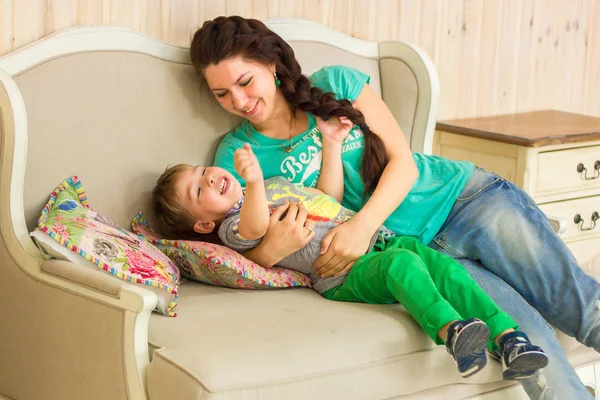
208 194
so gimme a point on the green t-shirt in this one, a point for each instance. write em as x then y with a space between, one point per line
423 211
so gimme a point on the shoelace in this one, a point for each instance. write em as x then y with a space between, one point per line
514 345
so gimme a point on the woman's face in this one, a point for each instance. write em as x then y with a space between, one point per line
244 88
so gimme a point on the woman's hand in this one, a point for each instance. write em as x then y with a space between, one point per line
284 235
340 248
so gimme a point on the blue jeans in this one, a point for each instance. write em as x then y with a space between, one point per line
501 237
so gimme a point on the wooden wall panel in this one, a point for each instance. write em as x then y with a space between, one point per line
493 56
591 98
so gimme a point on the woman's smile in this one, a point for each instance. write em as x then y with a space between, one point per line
250 112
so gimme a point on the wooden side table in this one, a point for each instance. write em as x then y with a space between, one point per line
553 155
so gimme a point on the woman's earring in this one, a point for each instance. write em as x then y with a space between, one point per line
277 81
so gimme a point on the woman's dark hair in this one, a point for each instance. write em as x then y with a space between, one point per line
226 37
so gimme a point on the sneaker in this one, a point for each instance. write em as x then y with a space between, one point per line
466 342
520 358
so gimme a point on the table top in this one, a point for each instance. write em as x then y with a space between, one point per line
531 129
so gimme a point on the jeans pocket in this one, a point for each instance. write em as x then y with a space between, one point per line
479 182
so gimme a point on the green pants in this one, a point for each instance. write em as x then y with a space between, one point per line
434 288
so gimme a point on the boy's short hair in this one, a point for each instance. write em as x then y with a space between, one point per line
174 221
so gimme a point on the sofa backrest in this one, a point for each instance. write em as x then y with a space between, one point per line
115 108
116 120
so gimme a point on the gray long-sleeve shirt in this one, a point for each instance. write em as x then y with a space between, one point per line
322 209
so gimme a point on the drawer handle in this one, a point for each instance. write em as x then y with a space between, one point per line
581 168
579 221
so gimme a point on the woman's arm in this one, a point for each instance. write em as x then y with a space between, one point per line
344 244
284 236
401 172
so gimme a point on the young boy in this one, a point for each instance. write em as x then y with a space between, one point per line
436 290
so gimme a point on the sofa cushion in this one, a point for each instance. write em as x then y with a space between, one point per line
306 347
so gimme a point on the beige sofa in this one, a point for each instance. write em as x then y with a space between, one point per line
115 108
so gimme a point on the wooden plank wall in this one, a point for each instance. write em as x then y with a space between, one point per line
493 56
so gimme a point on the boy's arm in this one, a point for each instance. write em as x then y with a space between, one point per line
331 179
254 214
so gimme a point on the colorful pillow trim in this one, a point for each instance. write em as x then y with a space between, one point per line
59 230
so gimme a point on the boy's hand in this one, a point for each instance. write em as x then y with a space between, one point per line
334 129
246 164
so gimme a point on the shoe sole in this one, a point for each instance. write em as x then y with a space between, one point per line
525 365
469 348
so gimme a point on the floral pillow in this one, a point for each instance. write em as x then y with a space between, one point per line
90 240
218 265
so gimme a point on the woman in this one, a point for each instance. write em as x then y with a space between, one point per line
490 226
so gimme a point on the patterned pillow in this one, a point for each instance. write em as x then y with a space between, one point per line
219 265
68 219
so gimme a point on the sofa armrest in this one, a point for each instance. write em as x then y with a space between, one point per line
97 280
76 274
559 225
137 304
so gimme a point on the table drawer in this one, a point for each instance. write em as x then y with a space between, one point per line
565 171
582 216
587 252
